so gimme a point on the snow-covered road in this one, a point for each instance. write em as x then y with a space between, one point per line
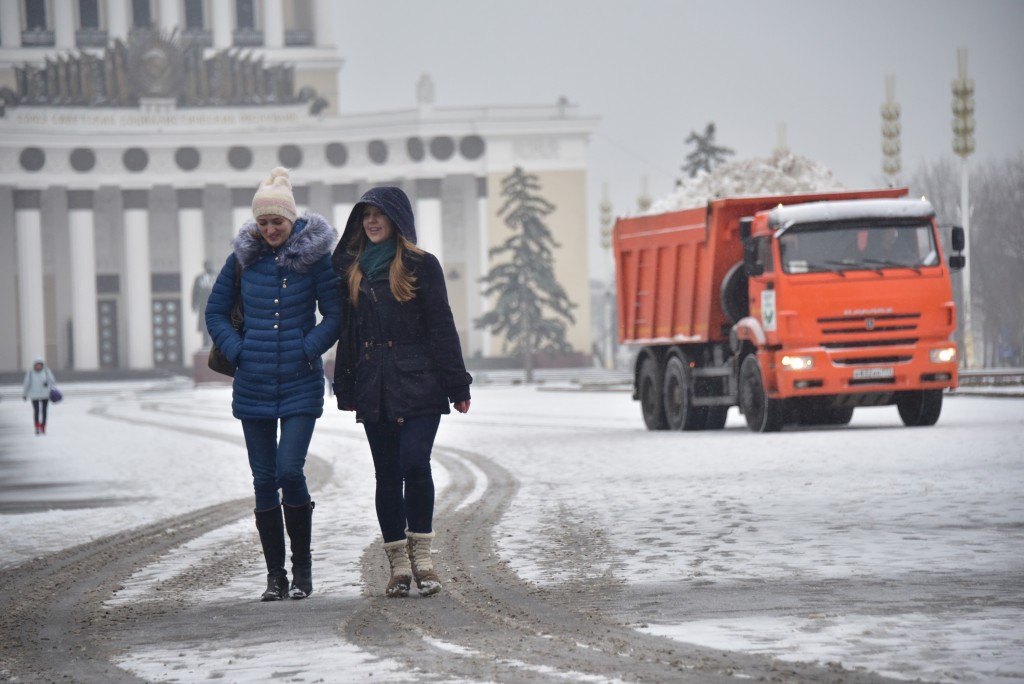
898 551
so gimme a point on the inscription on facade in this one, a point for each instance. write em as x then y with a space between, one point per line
538 147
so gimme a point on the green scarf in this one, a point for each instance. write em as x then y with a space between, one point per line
377 258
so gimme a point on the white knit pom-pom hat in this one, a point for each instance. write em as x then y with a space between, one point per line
274 196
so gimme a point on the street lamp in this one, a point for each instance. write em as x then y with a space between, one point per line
963 146
891 131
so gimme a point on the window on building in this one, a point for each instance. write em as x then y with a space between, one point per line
142 14
245 12
299 23
89 14
35 15
194 20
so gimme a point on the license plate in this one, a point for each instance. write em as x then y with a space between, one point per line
872 373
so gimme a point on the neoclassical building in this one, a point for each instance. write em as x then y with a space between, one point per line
133 135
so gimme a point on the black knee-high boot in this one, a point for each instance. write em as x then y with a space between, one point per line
271 529
299 520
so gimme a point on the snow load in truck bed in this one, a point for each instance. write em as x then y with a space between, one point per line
781 174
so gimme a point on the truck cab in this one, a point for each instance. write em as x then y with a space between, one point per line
850 305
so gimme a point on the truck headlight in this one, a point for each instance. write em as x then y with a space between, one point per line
798 362
943 355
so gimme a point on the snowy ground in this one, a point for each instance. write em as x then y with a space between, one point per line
702 514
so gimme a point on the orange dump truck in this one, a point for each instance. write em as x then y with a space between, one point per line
796 308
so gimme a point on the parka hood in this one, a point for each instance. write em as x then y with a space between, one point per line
395 205
312 237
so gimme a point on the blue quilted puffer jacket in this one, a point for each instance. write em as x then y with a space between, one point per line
278 351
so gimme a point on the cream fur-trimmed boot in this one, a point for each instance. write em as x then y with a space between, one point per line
401 571
427 580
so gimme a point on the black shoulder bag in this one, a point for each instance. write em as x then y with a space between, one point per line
216 360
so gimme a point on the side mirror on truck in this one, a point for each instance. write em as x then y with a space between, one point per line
959 242
957 261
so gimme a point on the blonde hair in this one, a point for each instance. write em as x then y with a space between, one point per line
403 282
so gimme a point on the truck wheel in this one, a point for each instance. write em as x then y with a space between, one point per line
919 408
650 395
679 412
763 413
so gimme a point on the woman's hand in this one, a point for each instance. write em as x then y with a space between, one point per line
462 406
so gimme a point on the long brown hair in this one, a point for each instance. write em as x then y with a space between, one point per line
402 280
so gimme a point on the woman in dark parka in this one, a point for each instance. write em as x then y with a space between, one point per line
399 367
286 275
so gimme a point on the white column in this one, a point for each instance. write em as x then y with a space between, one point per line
136 289
323 23
170 15
239 216
64 24
82 227
32 320
223 24
10 24
341 213
190 227
273 23
117 19
486 338
428 227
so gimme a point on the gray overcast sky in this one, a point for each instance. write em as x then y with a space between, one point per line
654 70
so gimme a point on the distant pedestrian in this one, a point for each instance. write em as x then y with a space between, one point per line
39 381
286 275
399 365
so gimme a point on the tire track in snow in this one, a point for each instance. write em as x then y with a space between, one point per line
488 623
53 623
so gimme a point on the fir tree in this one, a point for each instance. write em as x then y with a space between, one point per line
531 308
706 155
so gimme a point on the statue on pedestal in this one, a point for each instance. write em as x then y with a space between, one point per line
201 288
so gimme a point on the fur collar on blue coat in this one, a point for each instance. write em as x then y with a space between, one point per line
312 237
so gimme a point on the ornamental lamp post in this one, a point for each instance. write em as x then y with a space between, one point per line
963 146
891 163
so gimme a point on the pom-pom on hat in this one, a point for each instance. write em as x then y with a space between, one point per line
274 196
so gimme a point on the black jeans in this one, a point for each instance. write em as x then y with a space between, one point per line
39 410
405 485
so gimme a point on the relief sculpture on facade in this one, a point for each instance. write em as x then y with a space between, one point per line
152 65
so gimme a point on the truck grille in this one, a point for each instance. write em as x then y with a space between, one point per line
851 332
871 360
854 344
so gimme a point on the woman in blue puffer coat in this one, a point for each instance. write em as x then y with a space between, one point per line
285 275
399 366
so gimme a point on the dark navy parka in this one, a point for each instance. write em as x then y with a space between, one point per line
278 352
404 359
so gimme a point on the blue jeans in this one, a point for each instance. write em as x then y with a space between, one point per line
405 485
278 465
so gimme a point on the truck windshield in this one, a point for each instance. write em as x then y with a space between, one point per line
848 247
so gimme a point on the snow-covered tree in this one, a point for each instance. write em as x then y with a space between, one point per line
530 307
706 155
996 249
